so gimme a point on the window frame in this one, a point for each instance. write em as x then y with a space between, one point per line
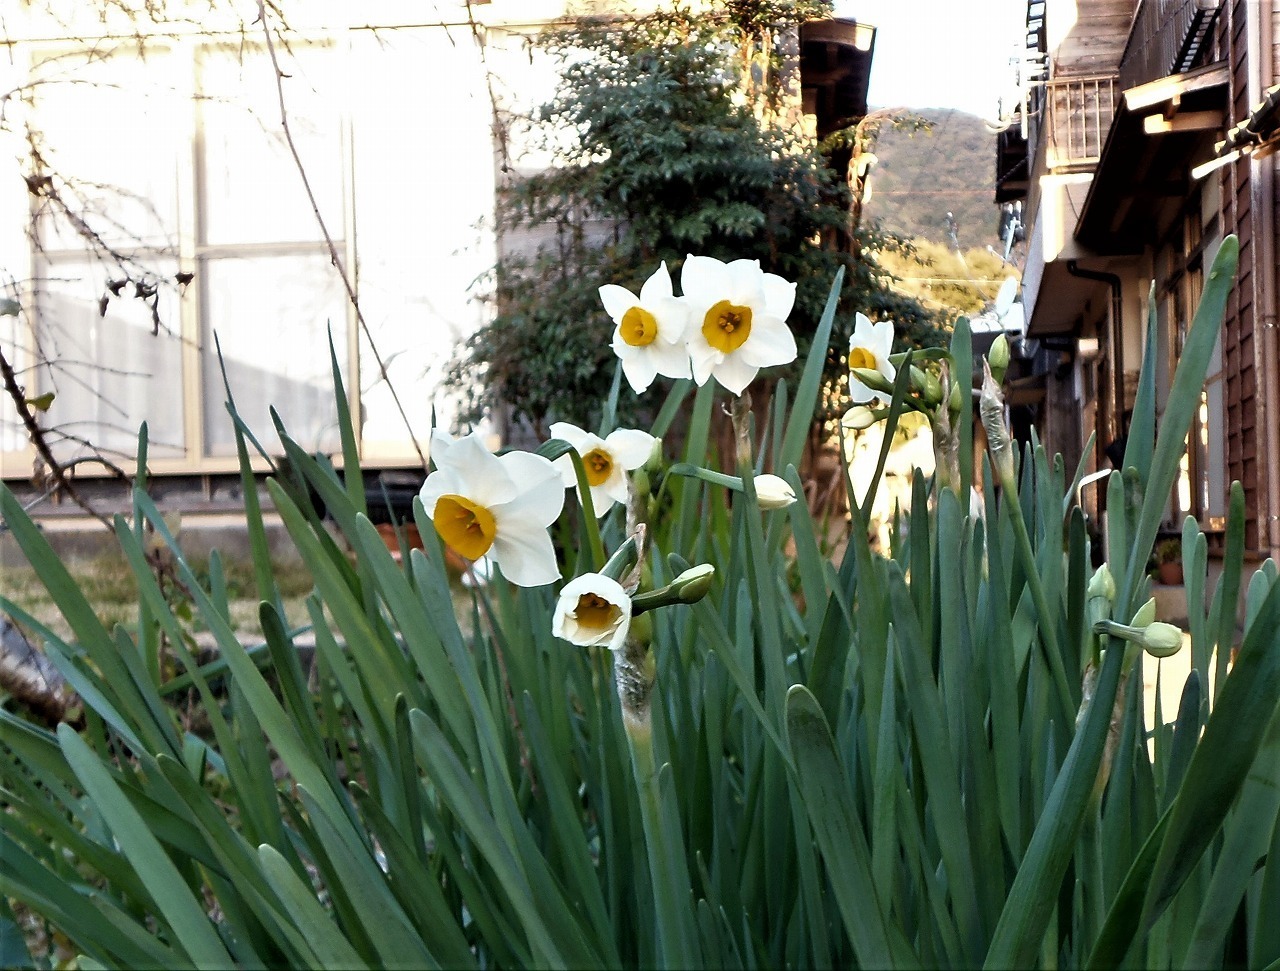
192 254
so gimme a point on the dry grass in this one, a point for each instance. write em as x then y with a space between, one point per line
111 588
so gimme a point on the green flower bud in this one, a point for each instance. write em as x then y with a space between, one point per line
773 492
655 459
998 357
858 417
692 585
932 391
1146 614
873 379
1102 584
1161 640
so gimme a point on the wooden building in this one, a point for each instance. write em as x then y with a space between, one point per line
1145 141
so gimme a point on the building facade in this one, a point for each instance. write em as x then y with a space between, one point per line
1144 138
163 247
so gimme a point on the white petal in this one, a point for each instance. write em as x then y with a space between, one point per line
704 280
882 338
746 282
861 331
442 482
617 300
440 444
604 495
702 357
485 479
860 394
734 373
672 315
541 495
602 586
639 369
629 447
779 296
568 474
565 623
656 287
525 554
671 360
885 367
572 434
771 342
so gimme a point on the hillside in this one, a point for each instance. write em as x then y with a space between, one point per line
922 175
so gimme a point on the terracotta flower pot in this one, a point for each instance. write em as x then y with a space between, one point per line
388 534
1170 574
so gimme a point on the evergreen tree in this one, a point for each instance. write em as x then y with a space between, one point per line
680 145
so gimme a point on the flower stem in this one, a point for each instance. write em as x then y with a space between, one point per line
590 524
665 847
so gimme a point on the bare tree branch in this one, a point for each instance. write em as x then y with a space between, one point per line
36 434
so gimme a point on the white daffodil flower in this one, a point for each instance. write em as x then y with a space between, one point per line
606 461
496 507
650 330
592 611
870 347
774 492
737 320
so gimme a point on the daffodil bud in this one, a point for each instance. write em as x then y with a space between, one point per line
998 357
917 379
872 379
655 460
991 408
1155 637
1161 640
932 392
1102 584
692 585
926 384
956 402
688 588
1146 614
773 492
1100 594
858 417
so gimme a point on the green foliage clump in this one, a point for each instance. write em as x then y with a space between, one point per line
669 157
937 757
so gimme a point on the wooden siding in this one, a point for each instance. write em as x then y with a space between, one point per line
1239 367
1094 42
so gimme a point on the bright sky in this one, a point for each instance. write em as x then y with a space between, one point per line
941 53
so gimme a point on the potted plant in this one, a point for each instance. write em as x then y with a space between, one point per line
1168 559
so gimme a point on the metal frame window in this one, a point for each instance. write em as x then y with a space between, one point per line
181 165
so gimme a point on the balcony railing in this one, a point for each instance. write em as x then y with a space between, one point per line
1166 38
1077 117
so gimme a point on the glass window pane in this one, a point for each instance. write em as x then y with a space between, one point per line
270 315
111 128
109 372
414 285
15 341
252 190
